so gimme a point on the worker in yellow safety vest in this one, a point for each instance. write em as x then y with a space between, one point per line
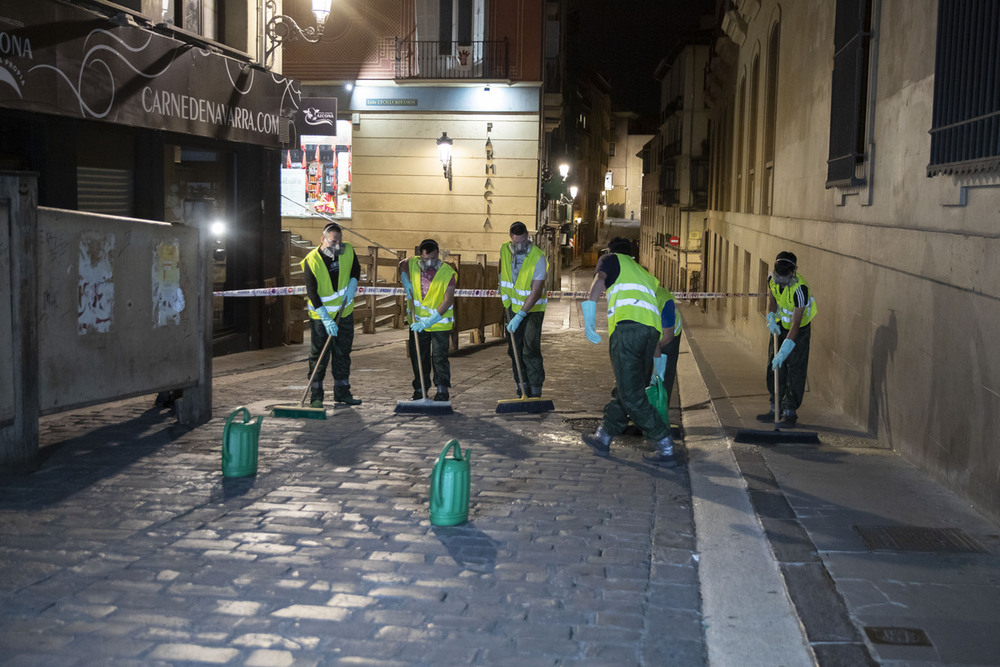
430 284
331 271
522 289
634 331
791 307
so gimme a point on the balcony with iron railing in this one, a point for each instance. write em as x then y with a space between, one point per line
451 60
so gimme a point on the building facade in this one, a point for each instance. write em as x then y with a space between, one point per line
861 136
675 172
407 77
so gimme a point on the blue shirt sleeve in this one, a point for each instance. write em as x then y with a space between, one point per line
667 317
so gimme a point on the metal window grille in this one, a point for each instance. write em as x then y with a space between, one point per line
849 95
965 127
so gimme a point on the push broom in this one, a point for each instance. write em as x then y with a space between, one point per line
532 404
777 436
302 411
423 406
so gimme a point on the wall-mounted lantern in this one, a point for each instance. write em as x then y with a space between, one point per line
281 27
444 152
572 191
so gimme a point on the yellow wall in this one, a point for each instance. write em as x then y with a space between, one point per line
399 195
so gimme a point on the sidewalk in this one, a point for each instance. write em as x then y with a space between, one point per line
912 590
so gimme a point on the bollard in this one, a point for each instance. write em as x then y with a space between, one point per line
239 444
450 484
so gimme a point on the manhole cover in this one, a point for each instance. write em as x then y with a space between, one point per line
898 636
916 538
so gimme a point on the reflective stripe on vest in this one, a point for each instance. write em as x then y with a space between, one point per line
331 298
426 305
633 296
515 293
785 298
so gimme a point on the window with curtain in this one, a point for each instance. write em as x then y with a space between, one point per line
965 126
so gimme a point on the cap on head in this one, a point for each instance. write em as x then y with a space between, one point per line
518 228
620 246
428 245
785 263
332 227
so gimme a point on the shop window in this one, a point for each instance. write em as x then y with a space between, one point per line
316 176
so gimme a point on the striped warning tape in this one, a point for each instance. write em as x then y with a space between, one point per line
474 293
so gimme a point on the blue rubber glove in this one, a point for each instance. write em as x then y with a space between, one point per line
407 287
772 325
783 352
590 321
515 321
328 323
660 366
425 322
352 289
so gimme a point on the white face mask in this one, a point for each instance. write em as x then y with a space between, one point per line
783 281
520 248
430 264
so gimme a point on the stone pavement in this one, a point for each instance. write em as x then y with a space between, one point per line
128 547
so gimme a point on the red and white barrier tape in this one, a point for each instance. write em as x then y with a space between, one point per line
300 290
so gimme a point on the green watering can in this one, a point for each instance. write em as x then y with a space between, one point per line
450 488
659 398
239 444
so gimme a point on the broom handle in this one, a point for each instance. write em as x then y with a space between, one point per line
416 346
777 388
517 359
322 354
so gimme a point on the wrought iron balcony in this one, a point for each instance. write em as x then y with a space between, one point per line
451 60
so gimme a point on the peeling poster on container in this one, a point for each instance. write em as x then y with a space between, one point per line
96 289
168 299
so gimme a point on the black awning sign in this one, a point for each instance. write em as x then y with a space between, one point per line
60 59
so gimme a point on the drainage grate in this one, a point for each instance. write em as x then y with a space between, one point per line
898 636
915 538
584 423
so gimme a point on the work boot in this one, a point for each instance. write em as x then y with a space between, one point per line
599 441
342 394
418 395
788 418
441 396
664 455
316 403
536 392
767 416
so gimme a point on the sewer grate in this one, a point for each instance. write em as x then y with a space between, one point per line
898 636
916 538
584 423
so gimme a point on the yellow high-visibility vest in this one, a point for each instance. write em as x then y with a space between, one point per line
633 296
515 293
662 296
426 305
331 298
785 298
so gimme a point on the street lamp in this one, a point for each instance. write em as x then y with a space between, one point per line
444 152
280 27
564 170
572 191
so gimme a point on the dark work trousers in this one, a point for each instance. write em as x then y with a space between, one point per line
671 349
792 373
433 355
339 351
631 347
528 338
